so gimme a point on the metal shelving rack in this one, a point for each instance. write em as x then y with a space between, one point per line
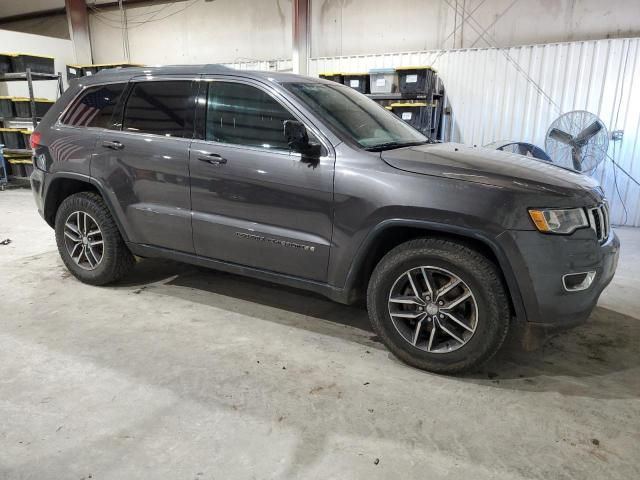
28 77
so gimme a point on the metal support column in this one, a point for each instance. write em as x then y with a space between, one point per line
60 84
78 19
301 34
32 101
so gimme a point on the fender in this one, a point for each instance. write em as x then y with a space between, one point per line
52 178
504 263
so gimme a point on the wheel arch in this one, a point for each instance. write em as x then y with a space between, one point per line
391 233
64 185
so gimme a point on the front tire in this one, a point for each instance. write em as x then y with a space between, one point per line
438 305
89 241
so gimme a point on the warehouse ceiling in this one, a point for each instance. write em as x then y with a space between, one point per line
13 9
10 8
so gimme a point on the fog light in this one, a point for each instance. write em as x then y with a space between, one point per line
574 282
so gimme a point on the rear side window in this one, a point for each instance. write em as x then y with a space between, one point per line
244 115
94 107
159 107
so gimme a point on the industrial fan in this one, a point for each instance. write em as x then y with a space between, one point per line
521 148
577 140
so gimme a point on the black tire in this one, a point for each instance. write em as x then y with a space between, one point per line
116 259
475 270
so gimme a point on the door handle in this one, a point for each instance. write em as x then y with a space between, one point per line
113 145
213 159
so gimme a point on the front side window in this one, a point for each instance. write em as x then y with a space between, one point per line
244 115
159 107
352 114
95 107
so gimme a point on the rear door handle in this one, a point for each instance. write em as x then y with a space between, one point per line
212 158
113 145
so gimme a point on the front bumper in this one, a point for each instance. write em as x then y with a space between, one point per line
540 261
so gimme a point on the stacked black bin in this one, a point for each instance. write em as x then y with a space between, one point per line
418 114
333 76
11 138
5 63
37 63
357 81
6 107
77 71
26 137
22 107
416 80
74 71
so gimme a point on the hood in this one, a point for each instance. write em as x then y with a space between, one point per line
491 167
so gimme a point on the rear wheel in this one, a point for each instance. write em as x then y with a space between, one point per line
438 305
89 241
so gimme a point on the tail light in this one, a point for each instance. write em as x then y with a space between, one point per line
35 139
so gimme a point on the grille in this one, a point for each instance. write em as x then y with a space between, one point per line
599 221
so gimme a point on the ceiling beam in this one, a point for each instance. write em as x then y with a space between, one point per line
33 15
62 11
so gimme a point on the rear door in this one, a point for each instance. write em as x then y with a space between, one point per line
144 161
254 202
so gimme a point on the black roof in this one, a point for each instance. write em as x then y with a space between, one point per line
124 74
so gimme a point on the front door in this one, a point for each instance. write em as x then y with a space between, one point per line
254 202
145 162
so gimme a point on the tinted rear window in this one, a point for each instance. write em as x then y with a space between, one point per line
95 107
159 107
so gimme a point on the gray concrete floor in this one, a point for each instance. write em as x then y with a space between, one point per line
184 373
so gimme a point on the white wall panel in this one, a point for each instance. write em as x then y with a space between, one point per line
194 32
496 94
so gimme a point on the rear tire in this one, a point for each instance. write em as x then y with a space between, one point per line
448 332
89 241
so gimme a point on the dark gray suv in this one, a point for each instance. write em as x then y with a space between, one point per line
307 183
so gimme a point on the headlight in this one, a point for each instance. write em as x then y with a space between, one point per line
559 221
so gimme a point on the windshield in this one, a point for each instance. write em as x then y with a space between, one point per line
355 115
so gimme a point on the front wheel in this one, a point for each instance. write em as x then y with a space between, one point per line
89 241
438 305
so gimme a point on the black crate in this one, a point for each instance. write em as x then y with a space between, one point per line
6 107
418 115
415 80
28 169
5 63
334 77
26 138
16 169
74 71
88 70
107 66
357 81
38 64
77 71
12 138
22 107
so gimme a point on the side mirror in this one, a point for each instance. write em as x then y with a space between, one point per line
296 135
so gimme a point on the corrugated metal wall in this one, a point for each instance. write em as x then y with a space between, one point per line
515 94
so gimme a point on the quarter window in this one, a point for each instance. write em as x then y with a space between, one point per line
159 107
95 107
244 115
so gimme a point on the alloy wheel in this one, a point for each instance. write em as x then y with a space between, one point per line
433 309
83 240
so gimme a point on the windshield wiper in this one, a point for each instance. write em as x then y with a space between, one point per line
391 145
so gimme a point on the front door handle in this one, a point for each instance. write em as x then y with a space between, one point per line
213 159
113 145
